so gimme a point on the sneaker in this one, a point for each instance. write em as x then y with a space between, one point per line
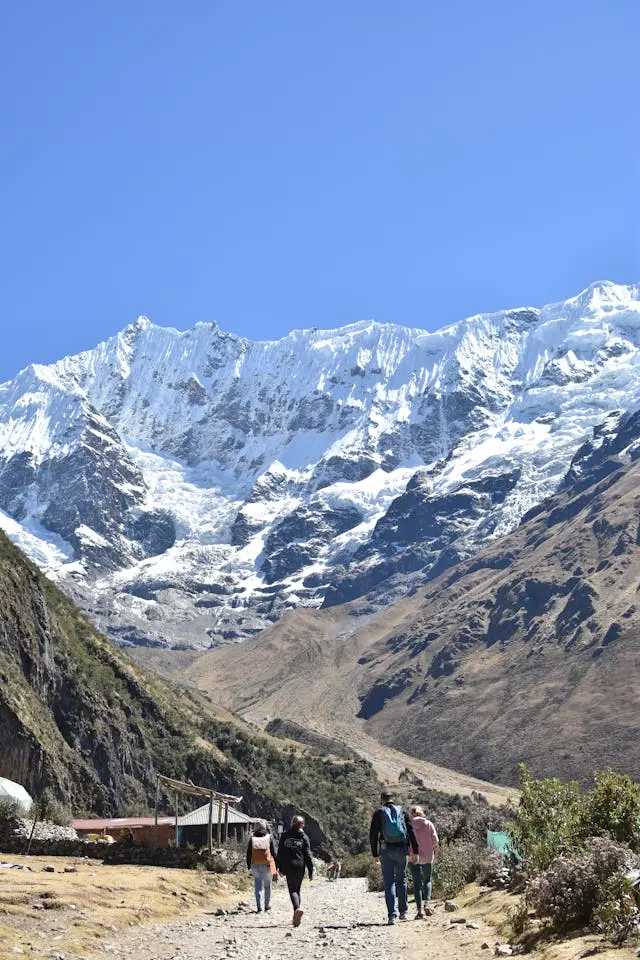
266 909
391 921
403 916
419 915
429 911
297 916
258 909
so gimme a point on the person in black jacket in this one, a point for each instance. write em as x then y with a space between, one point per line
294 855
391 835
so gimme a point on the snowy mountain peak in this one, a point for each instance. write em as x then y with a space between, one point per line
192 484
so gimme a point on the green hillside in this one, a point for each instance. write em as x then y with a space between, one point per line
78 717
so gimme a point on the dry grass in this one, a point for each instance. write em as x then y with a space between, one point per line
95 902
492 909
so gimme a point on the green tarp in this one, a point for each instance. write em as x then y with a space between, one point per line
502 843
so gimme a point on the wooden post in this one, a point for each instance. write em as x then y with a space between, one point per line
33 830
226 823
218 832
210 830
155 832
176 795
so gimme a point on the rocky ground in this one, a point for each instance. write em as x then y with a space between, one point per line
342 920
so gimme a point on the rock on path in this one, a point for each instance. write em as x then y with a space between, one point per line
342 921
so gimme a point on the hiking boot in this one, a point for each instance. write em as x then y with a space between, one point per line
419 915
297 916
429 911
266 909
403 916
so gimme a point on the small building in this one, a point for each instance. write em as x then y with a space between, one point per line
142 829
193 827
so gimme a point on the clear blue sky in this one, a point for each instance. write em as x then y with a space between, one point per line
273 164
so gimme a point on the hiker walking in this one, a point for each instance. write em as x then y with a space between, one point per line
390 836
294 855
422 863
260 858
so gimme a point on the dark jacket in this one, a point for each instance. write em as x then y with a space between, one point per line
376 837
249 849
294 853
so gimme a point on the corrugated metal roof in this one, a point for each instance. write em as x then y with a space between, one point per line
118 823
201 816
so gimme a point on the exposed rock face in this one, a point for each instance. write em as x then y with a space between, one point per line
187 488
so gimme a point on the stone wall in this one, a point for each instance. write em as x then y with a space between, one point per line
54 848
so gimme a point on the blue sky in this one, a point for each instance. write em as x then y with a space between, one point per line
278 164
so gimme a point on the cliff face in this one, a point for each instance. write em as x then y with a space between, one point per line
78 717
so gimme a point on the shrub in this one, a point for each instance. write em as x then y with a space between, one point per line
10 811
374 877
518 917
454 868
356 865
572 886
566 892
548 820
617 916
48 808
613 808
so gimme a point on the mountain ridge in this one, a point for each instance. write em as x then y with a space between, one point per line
187 487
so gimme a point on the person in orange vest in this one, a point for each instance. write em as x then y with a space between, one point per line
260 857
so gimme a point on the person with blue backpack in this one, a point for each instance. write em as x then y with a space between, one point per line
391 835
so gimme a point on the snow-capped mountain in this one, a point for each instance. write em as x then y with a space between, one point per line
188 487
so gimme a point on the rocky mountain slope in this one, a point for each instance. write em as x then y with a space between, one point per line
78 717
528 651
188 488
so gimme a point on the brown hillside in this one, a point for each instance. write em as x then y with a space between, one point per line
527 652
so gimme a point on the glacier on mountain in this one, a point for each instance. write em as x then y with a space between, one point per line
187 487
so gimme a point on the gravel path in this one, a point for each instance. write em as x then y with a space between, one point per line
342 920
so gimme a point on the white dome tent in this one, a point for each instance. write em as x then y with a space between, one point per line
15 791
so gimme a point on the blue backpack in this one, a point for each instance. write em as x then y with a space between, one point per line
393 825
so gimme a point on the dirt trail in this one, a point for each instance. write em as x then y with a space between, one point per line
342 920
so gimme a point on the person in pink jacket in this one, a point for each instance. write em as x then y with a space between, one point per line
422 862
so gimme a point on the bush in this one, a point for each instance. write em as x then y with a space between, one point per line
617 916
553 817
566 892
518 917
10 811
613 809
374 877
572 886
548 820
454 869
356 865
48 808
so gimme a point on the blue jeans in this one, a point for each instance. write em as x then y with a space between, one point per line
261 873
421 873
393 860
